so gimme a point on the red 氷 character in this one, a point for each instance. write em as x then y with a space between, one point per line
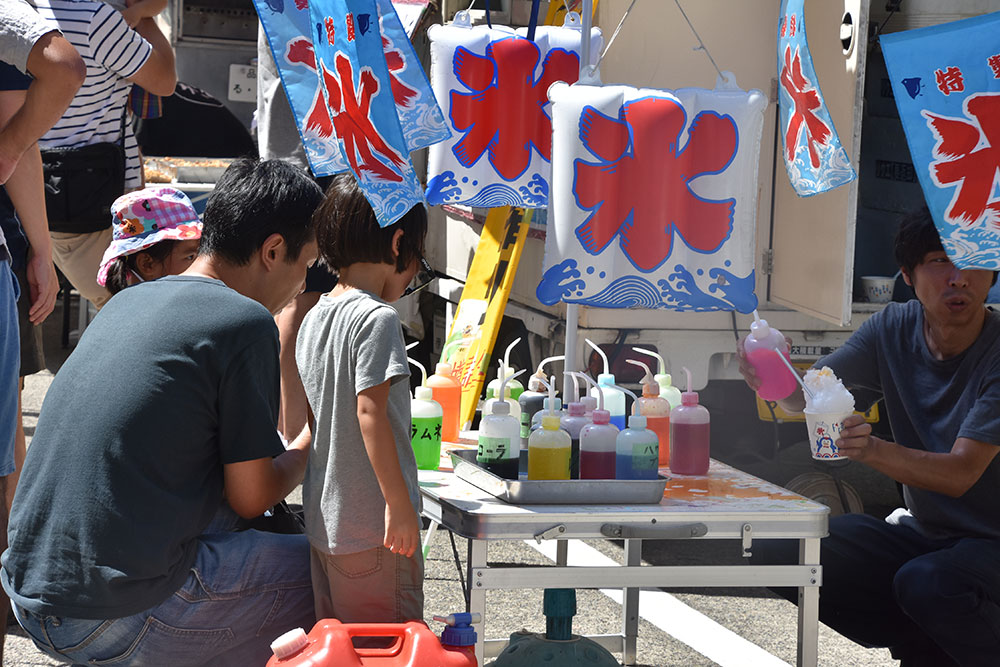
641 189
803 117
994 63
501 81
950 80
349 113
967 157
300 51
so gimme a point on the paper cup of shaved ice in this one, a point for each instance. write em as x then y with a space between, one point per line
830 404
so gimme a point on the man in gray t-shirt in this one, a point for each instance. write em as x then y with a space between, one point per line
925 582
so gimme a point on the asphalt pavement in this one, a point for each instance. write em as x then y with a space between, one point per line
689 627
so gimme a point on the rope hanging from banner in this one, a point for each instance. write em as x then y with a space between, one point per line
613 36
701 45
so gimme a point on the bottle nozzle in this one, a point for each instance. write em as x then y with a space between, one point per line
506 353
607 367
423 371
586 378
502 397
552 396
649 385
655 355
635 399
689 397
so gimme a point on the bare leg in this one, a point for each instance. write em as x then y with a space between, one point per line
294 407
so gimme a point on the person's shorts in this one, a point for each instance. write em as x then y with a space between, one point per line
32 353
9 362
319 279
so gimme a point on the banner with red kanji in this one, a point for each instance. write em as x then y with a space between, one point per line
814 157
946 81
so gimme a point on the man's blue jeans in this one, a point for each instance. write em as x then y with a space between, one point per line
244 590
933 602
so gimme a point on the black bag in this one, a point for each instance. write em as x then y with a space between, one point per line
81 184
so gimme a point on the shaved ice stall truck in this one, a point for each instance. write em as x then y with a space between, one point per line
810 251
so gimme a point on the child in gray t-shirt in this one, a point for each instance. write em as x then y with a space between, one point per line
360 492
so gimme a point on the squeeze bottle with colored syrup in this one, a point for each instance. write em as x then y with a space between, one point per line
667 389
656 410
425 424
689 435
549 447
532 400
571 421
500 438
597 442
448 393
636 447
762 346
515 388
504 391
614 399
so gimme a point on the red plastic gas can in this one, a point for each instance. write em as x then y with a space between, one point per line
329 645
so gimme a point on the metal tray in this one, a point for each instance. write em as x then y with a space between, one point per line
557 491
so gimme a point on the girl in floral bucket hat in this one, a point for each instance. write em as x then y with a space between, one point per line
155 233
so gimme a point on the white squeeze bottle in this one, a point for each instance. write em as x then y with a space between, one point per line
614 399
689 435
667 390
549 447
597 442
656 410
532 400
636 447
515 409
514 387
763 345
500 438
425 424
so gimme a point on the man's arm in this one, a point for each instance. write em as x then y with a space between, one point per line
402 529
58 73
158 74
951 474
255 486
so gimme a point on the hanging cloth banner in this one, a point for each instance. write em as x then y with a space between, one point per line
289 29
492 83
654 197
946 81
814 158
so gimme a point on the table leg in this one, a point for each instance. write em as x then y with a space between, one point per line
808 652
477 595
630 606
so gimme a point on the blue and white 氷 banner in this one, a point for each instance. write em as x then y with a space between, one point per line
492 84
814 158
654 197
385 110
946 81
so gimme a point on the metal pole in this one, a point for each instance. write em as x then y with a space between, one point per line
572 309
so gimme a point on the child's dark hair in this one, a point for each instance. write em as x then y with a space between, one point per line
347 231
916 237
118 271
253 200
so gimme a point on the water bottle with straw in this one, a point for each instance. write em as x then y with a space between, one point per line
425 423
656 410
760 346
549 447
636 447
597 441
614 400
500 438
689 434
667 389
514 388
532 400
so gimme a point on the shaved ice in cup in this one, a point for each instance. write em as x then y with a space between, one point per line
830 404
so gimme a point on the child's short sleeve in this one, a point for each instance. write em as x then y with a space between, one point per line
381 352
